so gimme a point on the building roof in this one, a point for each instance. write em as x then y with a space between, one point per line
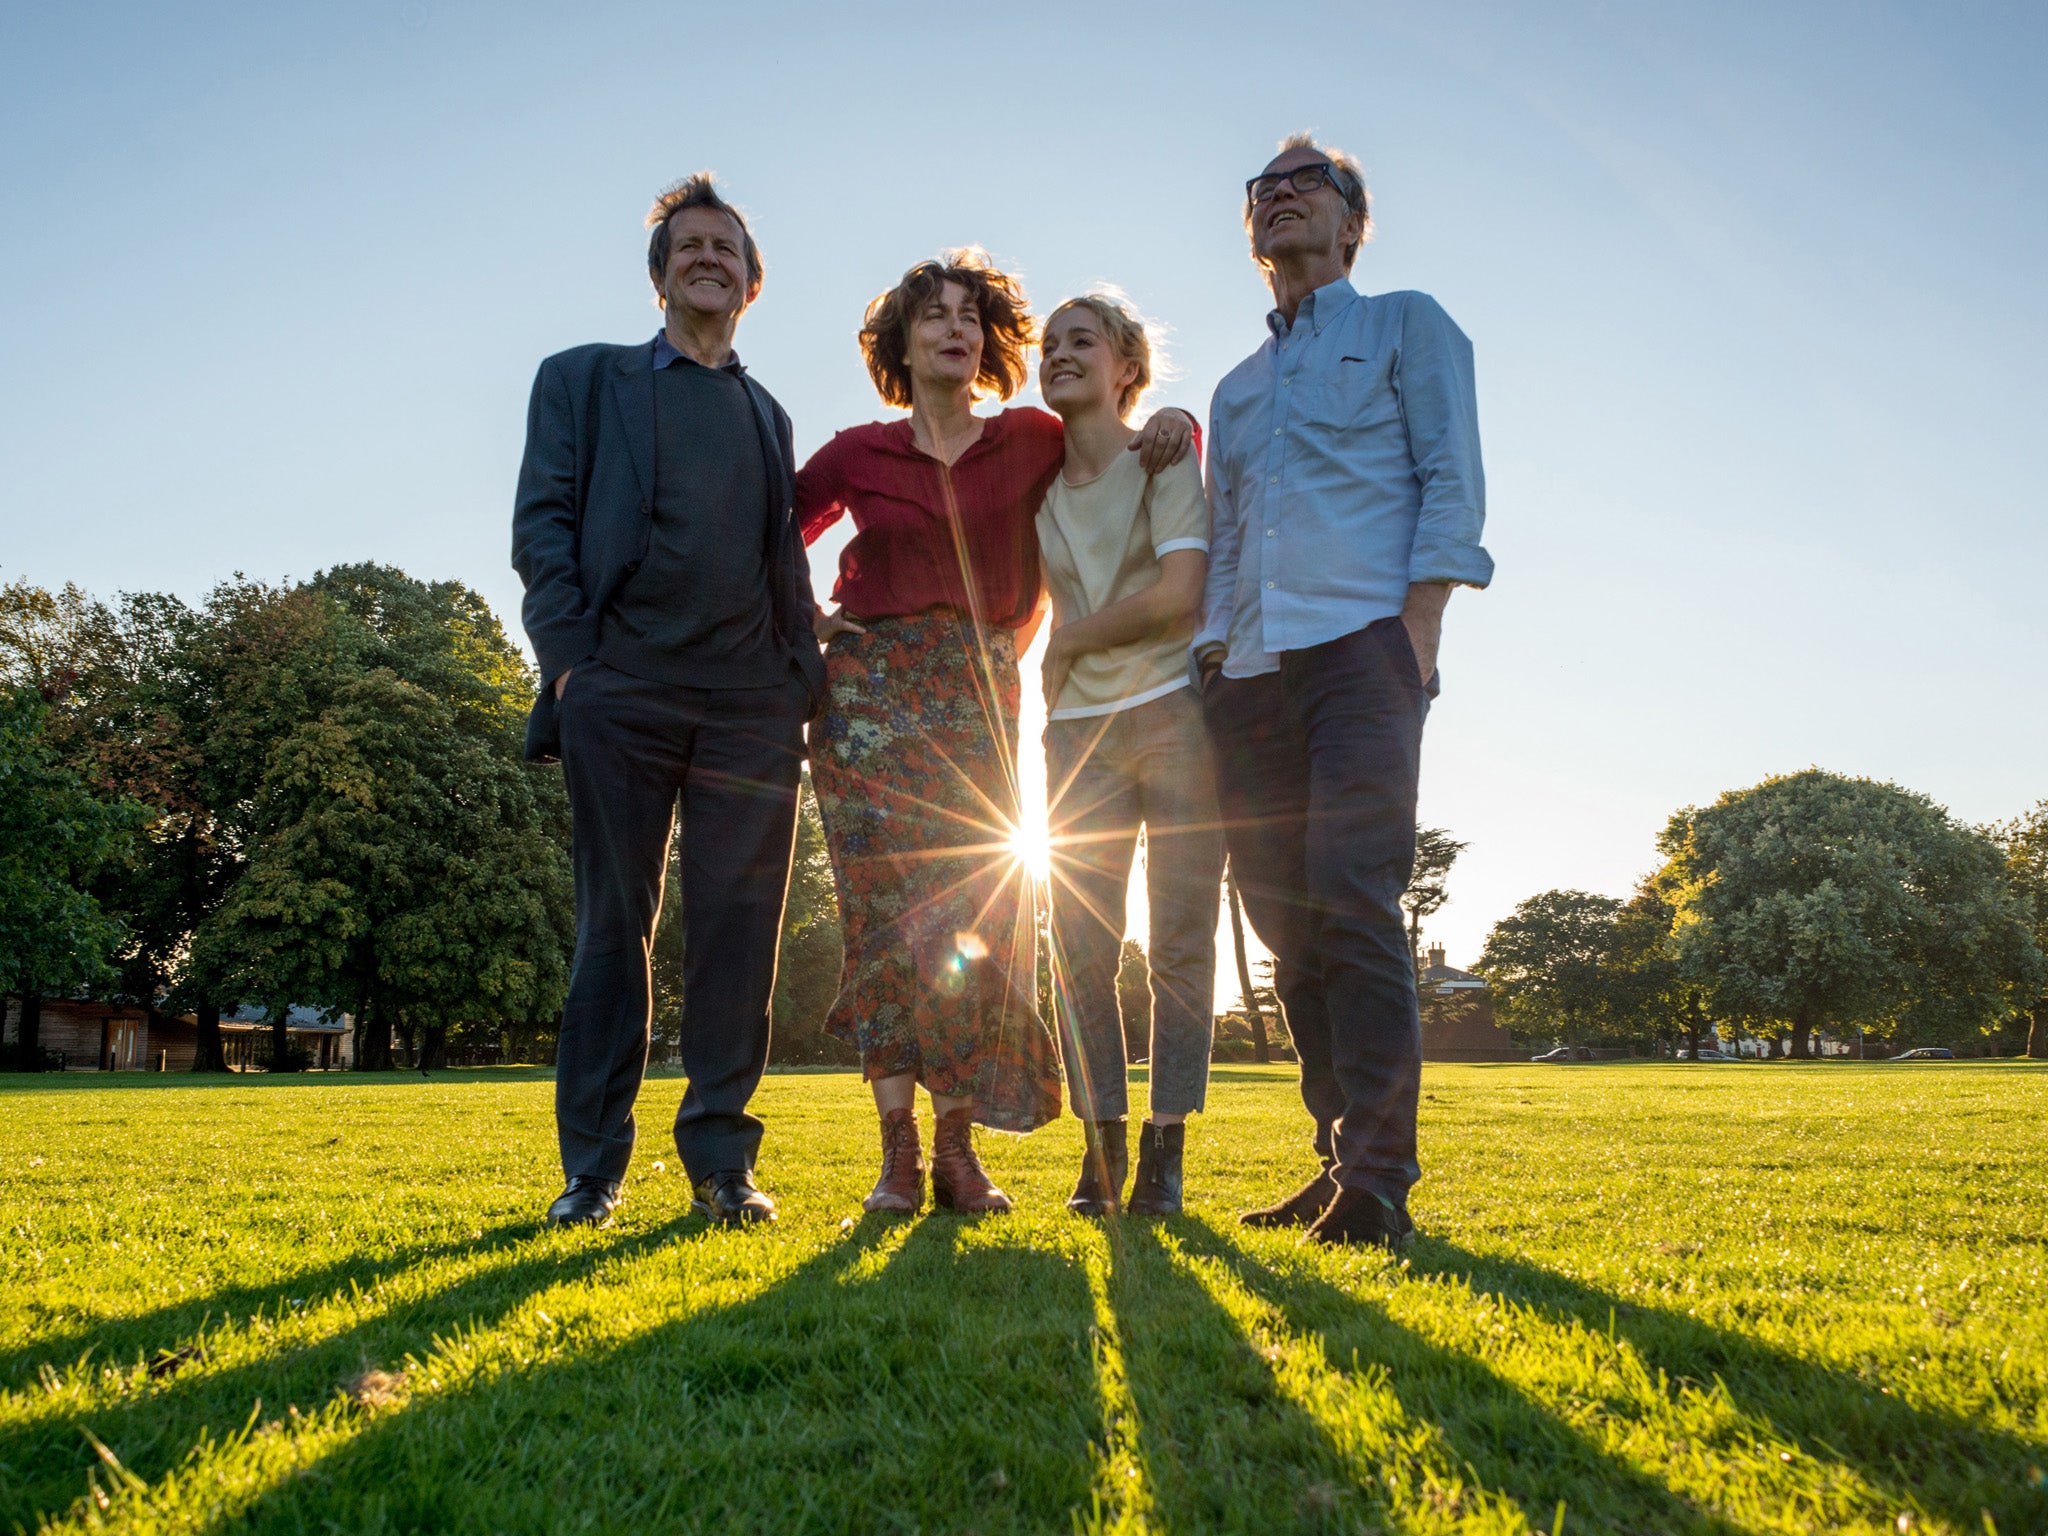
1438 977
297 1017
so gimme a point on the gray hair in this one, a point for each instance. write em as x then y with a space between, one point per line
1350 186
698 191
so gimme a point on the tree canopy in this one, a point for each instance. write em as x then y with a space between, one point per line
55 837
1429 887
1547 964
2024 841
1818 901
338 810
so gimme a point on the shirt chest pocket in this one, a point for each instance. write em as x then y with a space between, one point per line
1355 392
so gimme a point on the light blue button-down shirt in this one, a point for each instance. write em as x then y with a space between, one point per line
1343 466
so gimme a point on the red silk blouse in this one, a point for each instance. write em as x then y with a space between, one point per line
905 556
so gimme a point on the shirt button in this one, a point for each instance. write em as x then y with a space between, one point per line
1272 533
1276 431
1273 480
1269 586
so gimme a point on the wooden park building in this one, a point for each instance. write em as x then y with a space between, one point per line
127 1037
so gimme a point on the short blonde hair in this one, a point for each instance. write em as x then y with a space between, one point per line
1130 336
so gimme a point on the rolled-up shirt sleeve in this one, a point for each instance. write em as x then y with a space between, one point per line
1440 408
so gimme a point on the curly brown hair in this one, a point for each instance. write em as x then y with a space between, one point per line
1007 329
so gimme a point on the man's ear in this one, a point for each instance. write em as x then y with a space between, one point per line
1354 232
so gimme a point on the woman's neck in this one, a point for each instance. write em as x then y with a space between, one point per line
1095 437
942 421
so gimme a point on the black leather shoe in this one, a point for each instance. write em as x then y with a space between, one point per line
1156 1190
588 1202
1360 1216
1299 1209
1105 1159
731 1200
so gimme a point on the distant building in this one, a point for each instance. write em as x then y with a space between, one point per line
109 1037
126 1037
1457 1015
326 1037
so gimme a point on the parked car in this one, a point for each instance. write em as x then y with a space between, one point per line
1706 1054
1927 1053
1565 1053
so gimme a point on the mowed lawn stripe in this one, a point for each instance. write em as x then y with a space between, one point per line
1744 1298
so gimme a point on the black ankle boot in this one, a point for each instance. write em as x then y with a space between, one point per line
1156 1190
1099 1191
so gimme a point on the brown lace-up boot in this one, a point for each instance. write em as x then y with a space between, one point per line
958 1182
901 1186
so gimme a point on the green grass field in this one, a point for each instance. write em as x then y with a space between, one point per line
1648 1299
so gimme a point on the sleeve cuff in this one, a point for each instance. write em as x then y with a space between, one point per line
1173 544
1470 567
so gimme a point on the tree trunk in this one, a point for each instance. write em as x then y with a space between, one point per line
208 1054
1694 1020
280 1039
29 1037
433 1046
1260 1050
2037 1031
373 1039
1802 1034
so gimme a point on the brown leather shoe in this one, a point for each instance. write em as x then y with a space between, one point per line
901 1186
1299 1209
958 1182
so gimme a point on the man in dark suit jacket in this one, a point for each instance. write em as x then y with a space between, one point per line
668 600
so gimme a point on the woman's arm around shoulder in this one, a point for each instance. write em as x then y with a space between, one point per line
821 484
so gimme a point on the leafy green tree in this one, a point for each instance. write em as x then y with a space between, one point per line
807 967
1428 889
2025 843
1134 999
55 836
1548 965
1649 994
1817 901
1255 1014
400 860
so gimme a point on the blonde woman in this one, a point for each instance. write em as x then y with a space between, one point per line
1125 554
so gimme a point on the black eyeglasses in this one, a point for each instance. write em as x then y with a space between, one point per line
1303 178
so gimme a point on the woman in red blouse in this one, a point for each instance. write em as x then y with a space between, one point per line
915 760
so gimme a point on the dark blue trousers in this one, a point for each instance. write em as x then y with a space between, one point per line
1316 770
636 755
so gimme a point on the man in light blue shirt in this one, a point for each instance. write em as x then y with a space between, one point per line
1347 499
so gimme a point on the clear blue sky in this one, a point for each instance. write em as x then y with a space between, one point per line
1756 292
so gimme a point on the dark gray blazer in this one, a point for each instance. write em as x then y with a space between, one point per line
585 507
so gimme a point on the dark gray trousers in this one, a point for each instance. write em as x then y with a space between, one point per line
1316 774
636 754
1107 776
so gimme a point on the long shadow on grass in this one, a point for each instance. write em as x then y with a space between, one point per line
1948 1465
1488 1431
944 1385
43 1462
121 1340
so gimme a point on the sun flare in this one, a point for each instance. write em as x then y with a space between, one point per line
1031 846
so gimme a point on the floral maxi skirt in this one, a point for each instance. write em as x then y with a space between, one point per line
915 770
